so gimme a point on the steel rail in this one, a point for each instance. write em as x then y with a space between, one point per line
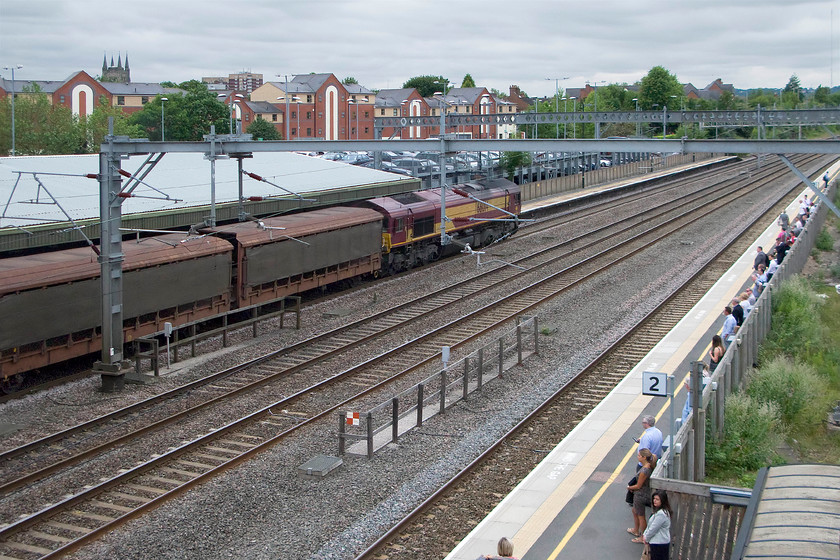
677 298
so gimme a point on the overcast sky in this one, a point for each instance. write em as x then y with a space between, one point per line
382 43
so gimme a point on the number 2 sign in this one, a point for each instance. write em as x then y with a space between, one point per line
655 384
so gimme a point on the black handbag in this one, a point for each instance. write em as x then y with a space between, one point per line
629 497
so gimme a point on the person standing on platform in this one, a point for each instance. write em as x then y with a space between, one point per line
737 312
727 333
504 550
716 353
760 258
651 438
826 180
641 494
782 248
772 268
658 532
687 407
784 221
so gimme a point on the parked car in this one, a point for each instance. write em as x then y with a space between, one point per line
414 165
355 158
391 168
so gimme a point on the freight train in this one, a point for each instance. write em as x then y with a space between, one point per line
50 302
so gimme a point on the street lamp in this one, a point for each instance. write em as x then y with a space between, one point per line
296 100
232 99
286 97
444 238
574 110
638 124
557 104
13 68
162 128
350 103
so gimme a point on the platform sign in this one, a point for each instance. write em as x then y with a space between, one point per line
655 384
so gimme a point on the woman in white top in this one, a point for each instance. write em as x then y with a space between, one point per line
658 532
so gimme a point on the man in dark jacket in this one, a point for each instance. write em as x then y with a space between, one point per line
781 250
737 311
760 258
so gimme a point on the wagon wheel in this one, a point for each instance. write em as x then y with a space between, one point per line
11 384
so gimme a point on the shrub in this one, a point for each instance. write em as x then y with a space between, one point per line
795 388
796 327
752 431
824 241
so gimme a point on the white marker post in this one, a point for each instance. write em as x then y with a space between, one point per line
659 384
167 332
444 356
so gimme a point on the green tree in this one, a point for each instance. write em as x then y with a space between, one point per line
468 81
188 116
510 161
657 87
40 127
794 87
262 129
349 80
96 125
427 85
822 95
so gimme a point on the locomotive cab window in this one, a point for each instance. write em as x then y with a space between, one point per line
399 224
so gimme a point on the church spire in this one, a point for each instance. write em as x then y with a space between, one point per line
126 62
104 63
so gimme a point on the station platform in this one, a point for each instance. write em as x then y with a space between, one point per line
531 206
572 504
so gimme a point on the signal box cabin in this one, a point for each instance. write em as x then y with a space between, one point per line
285 255
50 302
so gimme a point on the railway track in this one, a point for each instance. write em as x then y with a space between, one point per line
428 533
147 485
79 443
26 387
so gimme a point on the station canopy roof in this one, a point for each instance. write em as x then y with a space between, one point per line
181 176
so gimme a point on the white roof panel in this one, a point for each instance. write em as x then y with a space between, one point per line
179 175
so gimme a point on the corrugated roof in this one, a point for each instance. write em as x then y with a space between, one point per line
180 175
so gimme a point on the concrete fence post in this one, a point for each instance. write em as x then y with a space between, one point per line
466 377
443 382
369 420
395 419
480 368
342 429
501 357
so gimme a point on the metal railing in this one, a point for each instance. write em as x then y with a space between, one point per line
384 423
707 518
646 163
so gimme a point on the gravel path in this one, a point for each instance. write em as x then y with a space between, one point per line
266 509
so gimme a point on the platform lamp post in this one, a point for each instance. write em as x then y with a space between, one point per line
233 97
162 126
638 124
557 101
574 111
350 104
13 68
296 100
444 238
286 97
